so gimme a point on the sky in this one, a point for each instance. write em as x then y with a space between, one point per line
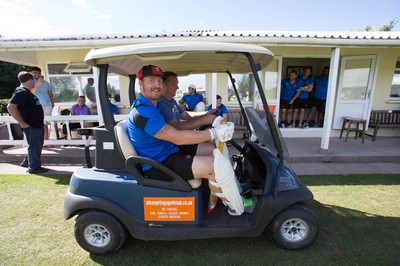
44 18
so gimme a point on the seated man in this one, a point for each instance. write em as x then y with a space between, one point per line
77 109
221 108
153 138
173 114
114 109
192 99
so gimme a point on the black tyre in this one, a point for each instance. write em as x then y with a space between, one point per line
99 233
295 228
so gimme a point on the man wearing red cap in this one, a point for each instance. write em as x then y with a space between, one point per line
153 138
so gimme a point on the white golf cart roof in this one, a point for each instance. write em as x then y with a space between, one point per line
183 58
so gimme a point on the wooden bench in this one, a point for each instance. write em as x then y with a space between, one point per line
383 119
235 116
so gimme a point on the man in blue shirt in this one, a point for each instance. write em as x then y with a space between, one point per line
221 109
318 102
306 84
152 137
44 92
173 114
288 90
192 99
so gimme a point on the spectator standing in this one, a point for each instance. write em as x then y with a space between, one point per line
25 107
192 99
222 110
288 91
306 84
90 93
318 102
44 92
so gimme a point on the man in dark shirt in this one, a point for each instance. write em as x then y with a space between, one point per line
25 107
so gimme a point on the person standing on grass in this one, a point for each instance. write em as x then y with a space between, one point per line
25 107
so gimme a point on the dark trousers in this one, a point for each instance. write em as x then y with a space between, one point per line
35 139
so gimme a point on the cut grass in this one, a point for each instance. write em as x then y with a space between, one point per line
359 216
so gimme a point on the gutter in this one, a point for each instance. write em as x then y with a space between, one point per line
266 41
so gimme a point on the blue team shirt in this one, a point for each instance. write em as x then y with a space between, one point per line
221 110
321 87
170 109
302 83
192 100
143 140
43 93
288 89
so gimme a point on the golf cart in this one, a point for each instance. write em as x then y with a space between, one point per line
114 199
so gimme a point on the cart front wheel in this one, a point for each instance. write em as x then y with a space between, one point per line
295 228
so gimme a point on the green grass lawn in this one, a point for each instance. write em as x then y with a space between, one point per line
359 216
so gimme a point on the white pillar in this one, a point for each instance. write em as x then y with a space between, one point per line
330 99
214 90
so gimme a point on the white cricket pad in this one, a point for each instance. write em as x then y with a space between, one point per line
226 179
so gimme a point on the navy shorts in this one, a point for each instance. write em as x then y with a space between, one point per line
318 104
180 162
301 103
283 104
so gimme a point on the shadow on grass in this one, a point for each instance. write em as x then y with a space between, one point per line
60 179
347 237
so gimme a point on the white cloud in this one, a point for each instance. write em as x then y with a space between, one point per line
100 16
81 2
17 19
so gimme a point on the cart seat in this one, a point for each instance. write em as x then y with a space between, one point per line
129 152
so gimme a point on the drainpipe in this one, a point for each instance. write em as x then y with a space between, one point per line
330 103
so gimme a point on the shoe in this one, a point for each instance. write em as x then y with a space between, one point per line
246 188
305 125
38 170
24 164
249 206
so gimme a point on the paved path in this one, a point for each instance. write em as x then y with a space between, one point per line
352 157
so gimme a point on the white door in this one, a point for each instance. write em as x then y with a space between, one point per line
355 88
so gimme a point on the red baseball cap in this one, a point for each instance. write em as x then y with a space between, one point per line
150 70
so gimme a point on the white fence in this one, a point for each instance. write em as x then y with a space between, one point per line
55 123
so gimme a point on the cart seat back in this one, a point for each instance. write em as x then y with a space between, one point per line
127 149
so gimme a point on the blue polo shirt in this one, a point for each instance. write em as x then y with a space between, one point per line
192 100
43 93
142 134
321 87
302 83
221 110
170 109
288 89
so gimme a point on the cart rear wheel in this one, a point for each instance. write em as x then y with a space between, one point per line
99 233
295 228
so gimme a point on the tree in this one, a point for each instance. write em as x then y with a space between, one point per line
382 27
8 78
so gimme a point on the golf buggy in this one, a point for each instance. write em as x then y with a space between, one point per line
115 199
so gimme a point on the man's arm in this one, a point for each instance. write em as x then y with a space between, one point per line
14 112
182 137
192 123
51 97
